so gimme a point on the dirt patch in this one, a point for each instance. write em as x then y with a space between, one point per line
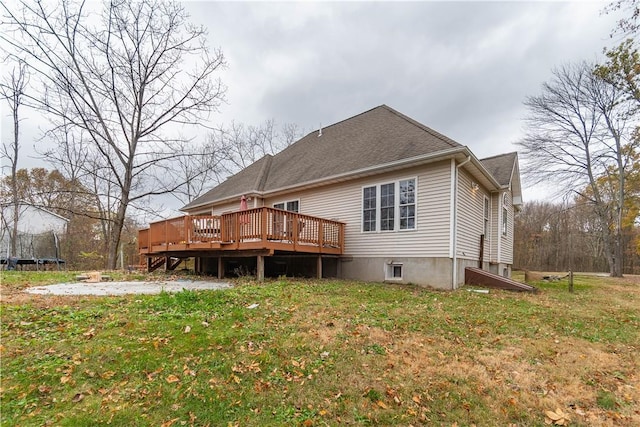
125 288
69 293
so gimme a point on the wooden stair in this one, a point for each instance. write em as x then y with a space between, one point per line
156 262
476 276
173 263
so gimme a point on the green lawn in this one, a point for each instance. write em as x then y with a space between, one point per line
316 353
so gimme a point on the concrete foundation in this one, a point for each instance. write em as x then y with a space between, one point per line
433 272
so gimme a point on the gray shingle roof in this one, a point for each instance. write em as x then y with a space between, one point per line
501 167
379 136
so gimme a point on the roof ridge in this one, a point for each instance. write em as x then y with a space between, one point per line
344 120
500 155
425 128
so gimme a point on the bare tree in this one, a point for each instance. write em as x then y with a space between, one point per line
576 134
12 90
131 76
226 151
558 237
200 168
629 24
240 145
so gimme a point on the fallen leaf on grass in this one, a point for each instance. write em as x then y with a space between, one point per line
65 379
90 333
107 375
381 404
558 418
187 329
77 398
169 423
172 379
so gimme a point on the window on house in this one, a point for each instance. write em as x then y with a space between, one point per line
407 204
393 272
369 209
292 206
505 214
486 217
397 200
387 206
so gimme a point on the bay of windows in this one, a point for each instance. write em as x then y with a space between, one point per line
395 209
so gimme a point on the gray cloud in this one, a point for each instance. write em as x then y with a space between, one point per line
461 68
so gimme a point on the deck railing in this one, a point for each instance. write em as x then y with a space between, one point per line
251 225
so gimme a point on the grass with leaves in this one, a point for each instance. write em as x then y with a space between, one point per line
316 353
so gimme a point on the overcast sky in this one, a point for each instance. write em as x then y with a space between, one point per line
461 68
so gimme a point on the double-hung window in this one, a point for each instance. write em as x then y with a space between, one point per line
486 217
505 214
387 206
407 204
292 206
369 209
394 210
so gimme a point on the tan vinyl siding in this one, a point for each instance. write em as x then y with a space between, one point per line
470 218
506 244
227 207
496 231
343 202
489 236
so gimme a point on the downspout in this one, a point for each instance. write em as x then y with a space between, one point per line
454 273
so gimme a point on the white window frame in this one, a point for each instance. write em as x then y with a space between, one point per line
285 203
374 210
390 270
396 206
486 213
505 215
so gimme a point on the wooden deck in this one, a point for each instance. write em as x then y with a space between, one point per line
258 229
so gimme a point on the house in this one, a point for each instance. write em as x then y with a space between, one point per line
375 197
38 231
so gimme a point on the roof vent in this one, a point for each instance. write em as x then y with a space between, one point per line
320 131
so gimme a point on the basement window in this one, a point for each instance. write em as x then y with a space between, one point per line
393 271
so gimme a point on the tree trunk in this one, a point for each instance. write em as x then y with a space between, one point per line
618 256
14 178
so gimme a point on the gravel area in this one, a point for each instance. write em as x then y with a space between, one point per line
123 288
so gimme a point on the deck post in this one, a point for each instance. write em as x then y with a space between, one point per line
263 224
166 263
260 272
236 221
220 268
166 235
187 230
319 268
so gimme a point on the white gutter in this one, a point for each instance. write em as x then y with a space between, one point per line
454 237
